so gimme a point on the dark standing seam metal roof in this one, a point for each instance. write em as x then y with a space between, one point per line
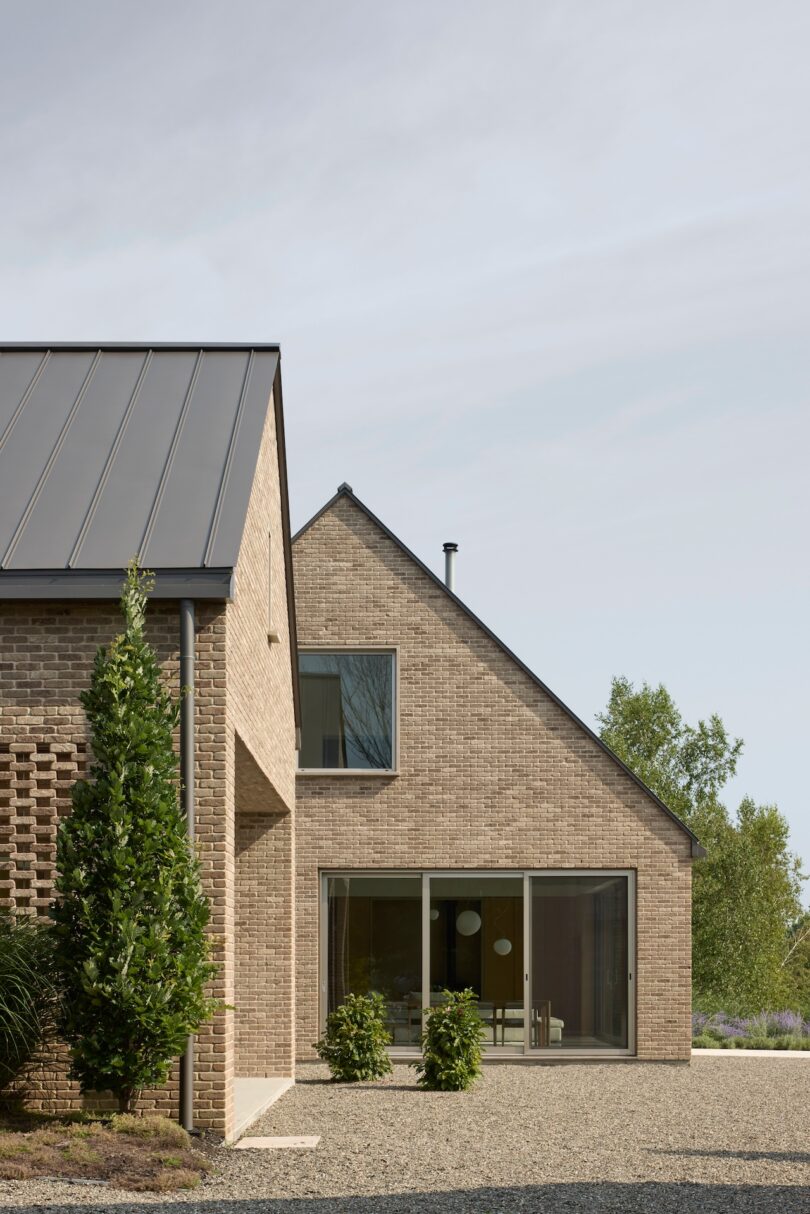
115 451
122 450
346 491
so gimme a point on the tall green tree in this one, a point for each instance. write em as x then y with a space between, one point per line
129 915
797 962
746 891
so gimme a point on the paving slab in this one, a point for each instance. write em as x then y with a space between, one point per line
301 1142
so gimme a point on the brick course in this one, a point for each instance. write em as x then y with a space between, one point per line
493 774
260 717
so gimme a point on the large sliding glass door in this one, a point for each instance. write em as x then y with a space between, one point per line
578 962
549 954
374 943
476 941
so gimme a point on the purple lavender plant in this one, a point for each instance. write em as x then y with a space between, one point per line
765 1024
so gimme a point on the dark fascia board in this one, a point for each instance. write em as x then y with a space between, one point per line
107 584
278 406
698 852
10 346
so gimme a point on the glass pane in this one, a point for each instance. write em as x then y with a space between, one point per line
375 944
476 940
346 710
579 962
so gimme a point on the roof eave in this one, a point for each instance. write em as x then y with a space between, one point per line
107 583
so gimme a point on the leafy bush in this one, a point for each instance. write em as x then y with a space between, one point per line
29 997
451 1043
354 1044
130 914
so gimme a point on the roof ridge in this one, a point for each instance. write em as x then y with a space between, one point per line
47 346
345 491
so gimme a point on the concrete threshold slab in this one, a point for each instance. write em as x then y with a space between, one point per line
751 1054
303 1142
252 1097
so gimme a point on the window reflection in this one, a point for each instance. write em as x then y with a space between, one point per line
347 717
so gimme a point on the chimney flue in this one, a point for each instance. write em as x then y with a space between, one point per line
450 550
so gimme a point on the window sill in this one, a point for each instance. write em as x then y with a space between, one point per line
343 773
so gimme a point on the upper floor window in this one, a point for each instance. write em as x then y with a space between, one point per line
347 710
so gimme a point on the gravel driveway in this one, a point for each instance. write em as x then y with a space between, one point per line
720 1135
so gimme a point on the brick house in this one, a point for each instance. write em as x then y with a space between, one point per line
175 454
451 822
457 825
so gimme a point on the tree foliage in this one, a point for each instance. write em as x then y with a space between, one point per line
746 890
797 962
130 915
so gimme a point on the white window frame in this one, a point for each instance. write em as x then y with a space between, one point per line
543 1053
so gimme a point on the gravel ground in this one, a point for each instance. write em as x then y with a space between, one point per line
721 1135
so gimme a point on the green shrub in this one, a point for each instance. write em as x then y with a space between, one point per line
29 998
451 1043
130 914
354 1044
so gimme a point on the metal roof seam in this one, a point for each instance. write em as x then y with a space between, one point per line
159 457
105 472
226 471
164 476
46 471
26 396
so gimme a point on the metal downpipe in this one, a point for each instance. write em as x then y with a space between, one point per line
187 758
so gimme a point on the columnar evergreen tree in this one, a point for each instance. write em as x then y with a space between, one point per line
130 915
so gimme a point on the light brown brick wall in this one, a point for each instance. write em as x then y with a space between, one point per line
260 714
46 655
259 678
265 998
492 773
245 765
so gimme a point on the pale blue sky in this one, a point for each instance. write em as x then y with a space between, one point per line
540 273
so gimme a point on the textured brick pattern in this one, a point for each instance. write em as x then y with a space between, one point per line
265 1012
260 718
35 780
245 761
46 654
492 773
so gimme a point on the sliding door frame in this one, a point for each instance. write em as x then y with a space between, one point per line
545 1052
560 1051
